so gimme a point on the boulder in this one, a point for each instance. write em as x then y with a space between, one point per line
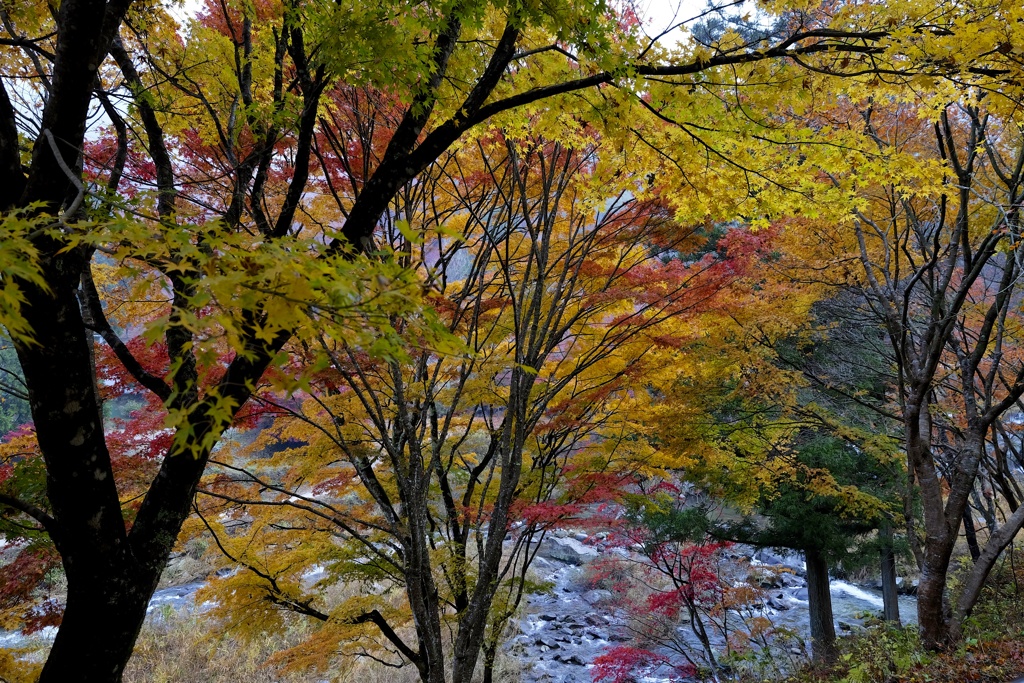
766 579
593 597
792 561
566 550
791 580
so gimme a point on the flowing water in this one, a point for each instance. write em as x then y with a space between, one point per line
564 630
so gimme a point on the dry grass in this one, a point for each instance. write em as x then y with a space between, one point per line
183 648
194 647
187 648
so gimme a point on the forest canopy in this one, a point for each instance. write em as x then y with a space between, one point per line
383 295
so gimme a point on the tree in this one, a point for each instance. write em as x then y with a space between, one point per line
434 475
112 570
773 423
933 233
451 69
670 571
824 527
940 275
849 371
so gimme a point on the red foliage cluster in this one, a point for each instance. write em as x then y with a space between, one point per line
546 513
20 580
625 664
696 577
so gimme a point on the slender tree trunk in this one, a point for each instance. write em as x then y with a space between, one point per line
470 638
823 629
982 567
422 593
890 597
942 517
971 534
490 653
697 626
984 503
426 611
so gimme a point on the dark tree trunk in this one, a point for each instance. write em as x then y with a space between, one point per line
424 603
87 527
971 535
470 639
890 598
823 629
101 622
931 601
490 652
111 573
942 519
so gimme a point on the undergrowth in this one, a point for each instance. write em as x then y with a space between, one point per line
991 650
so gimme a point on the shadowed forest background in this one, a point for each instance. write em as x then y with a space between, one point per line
511 341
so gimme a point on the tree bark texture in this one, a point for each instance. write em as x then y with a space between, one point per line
890 596
971 535
982 567
823 629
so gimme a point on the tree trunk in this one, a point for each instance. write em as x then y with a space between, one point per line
931 613
470 638
87 527
490 654
984 503
104 610
943 519
890 597
823 630
971 535
101 621
943 514
111 573
423 600
982 566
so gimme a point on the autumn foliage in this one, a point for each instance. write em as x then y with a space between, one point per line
379 294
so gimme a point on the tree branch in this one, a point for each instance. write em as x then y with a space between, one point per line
36 513
96 320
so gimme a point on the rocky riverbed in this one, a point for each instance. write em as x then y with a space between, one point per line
564 630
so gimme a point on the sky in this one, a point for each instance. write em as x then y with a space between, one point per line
658 15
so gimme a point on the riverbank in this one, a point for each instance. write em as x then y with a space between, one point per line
563 630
